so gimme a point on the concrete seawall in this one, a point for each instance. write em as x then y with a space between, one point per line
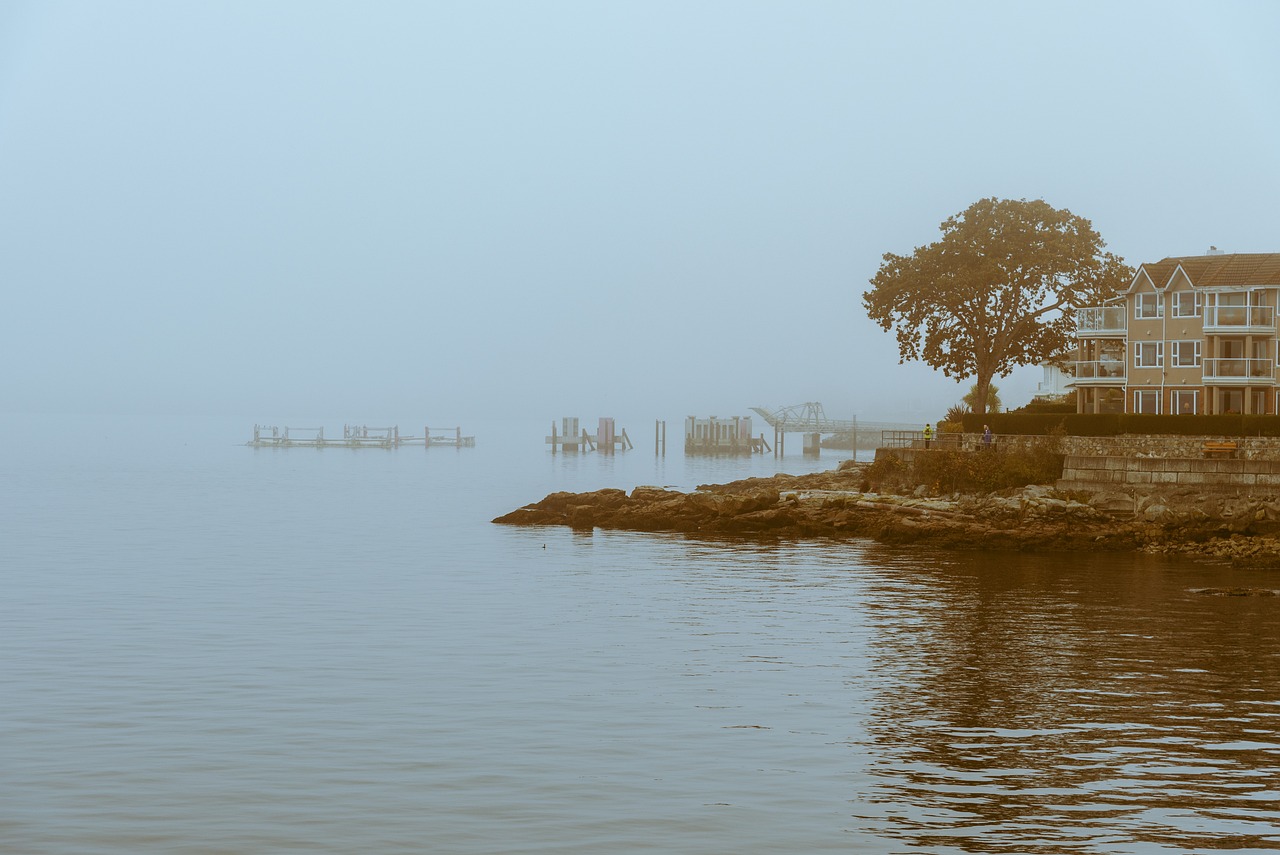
1107 472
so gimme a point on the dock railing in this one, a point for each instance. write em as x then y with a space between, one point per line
914 439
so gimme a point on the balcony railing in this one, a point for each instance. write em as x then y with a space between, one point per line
1218 369
1102 369
1239 317
1099 320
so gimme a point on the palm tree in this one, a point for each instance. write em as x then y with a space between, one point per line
993 398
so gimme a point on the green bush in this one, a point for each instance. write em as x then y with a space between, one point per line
953 471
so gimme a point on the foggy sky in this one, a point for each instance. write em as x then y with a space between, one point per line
453 211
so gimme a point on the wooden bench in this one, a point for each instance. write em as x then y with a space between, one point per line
1226 448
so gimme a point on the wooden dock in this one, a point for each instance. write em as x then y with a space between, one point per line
356 436
570 438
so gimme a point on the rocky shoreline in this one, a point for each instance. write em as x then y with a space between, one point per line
837 505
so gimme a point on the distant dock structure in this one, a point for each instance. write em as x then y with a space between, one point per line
571 438
722 436
356 436
808 419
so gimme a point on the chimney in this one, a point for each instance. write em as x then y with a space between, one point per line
1213 250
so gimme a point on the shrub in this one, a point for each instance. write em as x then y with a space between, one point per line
953 471
1116 424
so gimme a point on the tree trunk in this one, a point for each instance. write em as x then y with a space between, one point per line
982 389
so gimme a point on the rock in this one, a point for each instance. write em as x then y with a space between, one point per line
833 504
1155 512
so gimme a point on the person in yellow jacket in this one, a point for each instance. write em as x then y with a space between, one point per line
928 435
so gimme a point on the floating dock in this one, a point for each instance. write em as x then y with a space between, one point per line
356 436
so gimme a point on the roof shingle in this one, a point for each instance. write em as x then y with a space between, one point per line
1218 271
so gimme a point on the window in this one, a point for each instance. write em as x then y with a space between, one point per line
1186 402
1148 354
1186 304
1146 401
1186 354
1148 306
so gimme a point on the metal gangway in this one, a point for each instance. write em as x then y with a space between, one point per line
811 419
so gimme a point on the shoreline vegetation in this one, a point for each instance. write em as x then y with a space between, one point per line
965 508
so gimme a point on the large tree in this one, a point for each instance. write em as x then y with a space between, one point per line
996 291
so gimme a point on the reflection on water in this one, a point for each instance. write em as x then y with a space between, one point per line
231 651
1024 708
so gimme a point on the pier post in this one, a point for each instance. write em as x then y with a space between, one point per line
812 444
459 435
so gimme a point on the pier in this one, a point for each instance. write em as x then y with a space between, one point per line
808 419
727 436
356 436
571 438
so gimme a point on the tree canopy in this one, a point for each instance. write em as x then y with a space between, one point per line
996 291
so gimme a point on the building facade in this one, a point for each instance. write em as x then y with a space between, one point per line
1195 334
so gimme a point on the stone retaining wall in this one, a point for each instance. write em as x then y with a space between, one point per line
1250 447
1143 463
1086 472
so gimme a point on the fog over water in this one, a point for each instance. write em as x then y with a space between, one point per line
459 211
493 215
212 648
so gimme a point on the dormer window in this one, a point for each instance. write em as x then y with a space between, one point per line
1148 306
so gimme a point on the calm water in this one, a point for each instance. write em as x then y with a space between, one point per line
212 649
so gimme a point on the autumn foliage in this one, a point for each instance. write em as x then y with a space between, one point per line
995 291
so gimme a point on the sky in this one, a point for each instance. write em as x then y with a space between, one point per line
444 212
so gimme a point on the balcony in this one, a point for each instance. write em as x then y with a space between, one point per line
1097 321
1102 372
1239 372
1240 319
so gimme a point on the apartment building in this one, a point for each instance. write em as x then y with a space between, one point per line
1195 334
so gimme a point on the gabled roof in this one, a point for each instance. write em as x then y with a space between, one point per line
1236 270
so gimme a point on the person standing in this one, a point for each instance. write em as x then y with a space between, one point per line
986 437
928 435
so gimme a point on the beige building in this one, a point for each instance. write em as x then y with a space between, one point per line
1196 334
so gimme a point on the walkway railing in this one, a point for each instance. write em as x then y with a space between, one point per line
914 439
